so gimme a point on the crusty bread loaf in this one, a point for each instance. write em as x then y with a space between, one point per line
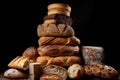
58 41
30 52
60 61
50 77
20 62
15 73
57 19
58 11
75 71
59 5
54 69
55 30
93 54
101 70
58 50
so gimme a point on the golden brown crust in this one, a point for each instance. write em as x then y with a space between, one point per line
30 52
58 50
55 30
20 62
60 61
58 11
50 77
49 21
59 5
59 41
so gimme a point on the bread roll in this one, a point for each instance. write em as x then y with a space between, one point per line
20 62
75 71
60 61
59 41
57 19
58 50
50 77
30 52
55 30
58 11
101 70
59 5
15 73
54 69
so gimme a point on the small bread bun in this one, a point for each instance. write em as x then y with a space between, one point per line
50 77
30 52
14 73
59 5
75 71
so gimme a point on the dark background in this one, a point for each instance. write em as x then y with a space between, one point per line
95 23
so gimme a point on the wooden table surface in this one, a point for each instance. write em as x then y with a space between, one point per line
84 78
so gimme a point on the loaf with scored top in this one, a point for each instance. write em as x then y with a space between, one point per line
58 50
60 61
60 30
59 41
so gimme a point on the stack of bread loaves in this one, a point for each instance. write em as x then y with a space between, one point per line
58 44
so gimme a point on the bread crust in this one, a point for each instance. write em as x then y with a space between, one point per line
58 11
59 5
60 61
54 69
73 41
50 77
58 50
75 71
14 73
101 70
60 30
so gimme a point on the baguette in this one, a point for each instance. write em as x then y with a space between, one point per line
60 61
58 41
55 30
57 50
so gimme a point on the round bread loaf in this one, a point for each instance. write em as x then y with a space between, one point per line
73 41
50 77
75 71
58 50
15 73
101 70
30 52
60 30
54 69
59 5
